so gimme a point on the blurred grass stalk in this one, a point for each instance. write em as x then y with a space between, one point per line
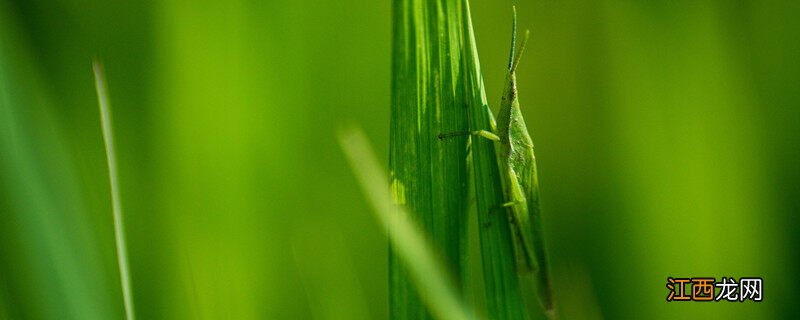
408 241
437 87
119 225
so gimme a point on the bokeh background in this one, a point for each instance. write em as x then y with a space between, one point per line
667 133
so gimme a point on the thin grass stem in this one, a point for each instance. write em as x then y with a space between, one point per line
119 225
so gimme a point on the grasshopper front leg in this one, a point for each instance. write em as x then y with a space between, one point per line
481 133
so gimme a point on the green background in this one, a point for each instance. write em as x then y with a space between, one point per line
667 134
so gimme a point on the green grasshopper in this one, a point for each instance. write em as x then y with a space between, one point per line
520 181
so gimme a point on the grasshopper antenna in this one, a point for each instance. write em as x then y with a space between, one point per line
521 51
513 38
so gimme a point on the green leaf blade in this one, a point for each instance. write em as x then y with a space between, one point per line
427 99
502 286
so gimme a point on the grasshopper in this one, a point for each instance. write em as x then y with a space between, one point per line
520 181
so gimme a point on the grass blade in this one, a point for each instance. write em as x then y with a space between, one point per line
502 286
407 239
429 177
119 225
